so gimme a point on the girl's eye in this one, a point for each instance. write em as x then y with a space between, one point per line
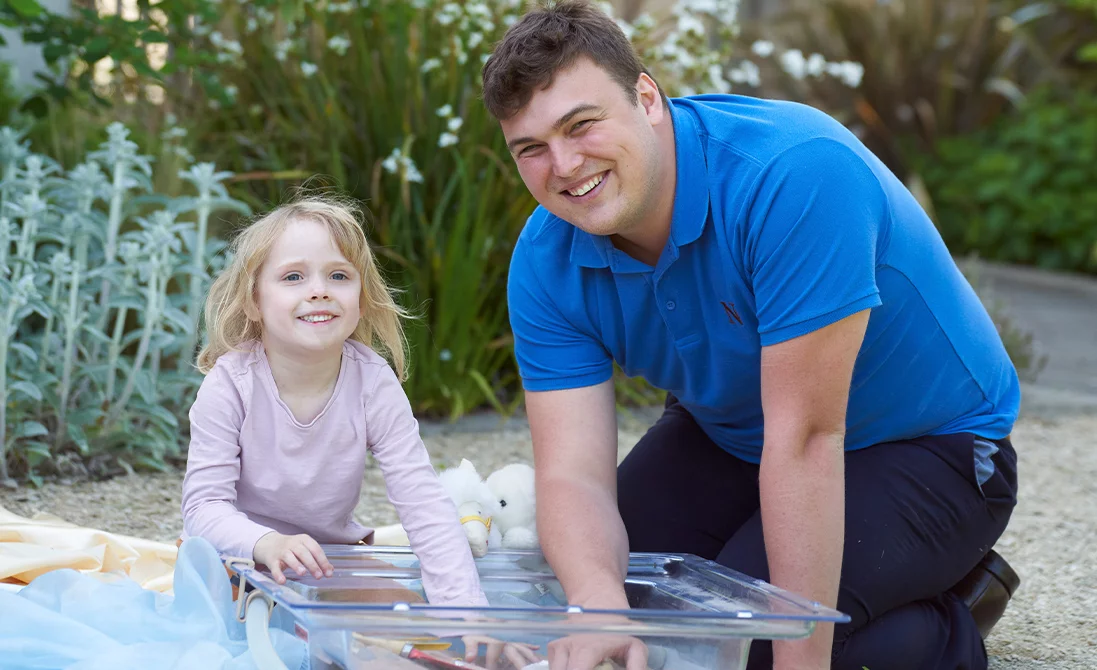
339 276
293 276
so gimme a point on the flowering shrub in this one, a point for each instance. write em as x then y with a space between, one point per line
101 282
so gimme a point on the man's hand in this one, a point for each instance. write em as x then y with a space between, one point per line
519 655
299 553
588 651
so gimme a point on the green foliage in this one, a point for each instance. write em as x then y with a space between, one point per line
99 278
1087 14
932 68
1022 190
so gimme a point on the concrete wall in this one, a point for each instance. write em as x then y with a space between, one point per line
26 59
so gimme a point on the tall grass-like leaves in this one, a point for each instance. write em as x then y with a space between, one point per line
16 296
128 170
212 195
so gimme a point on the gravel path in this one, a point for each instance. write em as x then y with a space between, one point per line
1051 623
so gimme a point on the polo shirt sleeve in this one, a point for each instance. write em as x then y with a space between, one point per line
812 231
552 353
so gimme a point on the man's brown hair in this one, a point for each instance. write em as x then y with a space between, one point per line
549 39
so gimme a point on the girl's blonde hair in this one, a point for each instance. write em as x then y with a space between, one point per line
233 294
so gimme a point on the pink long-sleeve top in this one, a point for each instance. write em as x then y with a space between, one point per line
253 468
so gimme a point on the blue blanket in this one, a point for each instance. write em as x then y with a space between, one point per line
64 619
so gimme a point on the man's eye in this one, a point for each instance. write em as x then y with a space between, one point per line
529 150
582 124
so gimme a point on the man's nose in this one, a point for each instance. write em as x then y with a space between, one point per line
565 161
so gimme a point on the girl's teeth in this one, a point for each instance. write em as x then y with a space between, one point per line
316 319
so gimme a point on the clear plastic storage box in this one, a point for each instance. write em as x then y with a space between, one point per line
691 613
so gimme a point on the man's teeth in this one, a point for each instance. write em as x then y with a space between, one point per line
585 188
317 318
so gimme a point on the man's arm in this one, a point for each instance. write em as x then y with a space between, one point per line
574 435
805 390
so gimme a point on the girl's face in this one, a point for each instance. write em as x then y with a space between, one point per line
309 295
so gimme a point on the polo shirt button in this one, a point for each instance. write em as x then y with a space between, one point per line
670 305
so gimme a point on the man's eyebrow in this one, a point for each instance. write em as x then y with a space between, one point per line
578 109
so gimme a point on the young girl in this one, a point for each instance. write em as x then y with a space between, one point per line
295 394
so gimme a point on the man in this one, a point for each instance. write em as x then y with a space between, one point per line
839 401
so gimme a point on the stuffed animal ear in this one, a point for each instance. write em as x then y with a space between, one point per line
466 464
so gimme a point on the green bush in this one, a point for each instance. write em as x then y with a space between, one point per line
100 281
1023 190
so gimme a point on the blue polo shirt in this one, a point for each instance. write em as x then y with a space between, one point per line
783 223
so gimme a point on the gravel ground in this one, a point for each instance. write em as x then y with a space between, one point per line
1051 623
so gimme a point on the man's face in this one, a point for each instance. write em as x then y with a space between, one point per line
586 152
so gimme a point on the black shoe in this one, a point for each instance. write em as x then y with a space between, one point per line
986 590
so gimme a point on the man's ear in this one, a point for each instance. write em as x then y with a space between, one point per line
649 98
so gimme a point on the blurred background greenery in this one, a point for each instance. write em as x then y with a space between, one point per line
987 109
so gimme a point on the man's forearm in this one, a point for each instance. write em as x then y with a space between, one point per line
803 516
584 541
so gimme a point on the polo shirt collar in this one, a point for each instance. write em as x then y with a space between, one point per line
690 200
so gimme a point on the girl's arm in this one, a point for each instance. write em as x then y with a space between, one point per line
426 511
213 468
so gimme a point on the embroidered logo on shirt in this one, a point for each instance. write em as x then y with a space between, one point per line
733 316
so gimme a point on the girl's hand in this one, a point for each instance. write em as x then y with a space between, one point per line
299 553
519 655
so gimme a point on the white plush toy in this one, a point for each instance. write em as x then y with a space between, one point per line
516 517
476 509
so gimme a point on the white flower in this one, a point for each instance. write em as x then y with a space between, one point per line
231 91
430 64
716 77
793 62
815 65
308 69
340 7
446 140
746 73
445 111
255 110
397 162
852 73
281 50
687 23
391 164
454 124
474 40
339 44
252 25
445 355
644 22
763 48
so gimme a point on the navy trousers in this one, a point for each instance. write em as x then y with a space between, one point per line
917 521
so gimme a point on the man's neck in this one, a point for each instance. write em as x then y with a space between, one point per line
303 375
647 239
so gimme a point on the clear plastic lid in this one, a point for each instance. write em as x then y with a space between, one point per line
380 589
